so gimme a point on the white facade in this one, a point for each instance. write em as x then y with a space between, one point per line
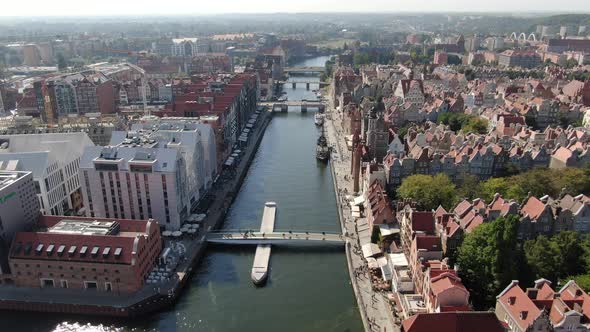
136 183
53 159
185 47
195 141
19 208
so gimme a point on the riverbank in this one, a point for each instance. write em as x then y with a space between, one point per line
348 249
150 299
373 306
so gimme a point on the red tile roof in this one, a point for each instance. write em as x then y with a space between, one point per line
520 307
445 282
428 242
453 322
533 207
422 221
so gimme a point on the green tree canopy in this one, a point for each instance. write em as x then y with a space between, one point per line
556 257
429 191
489 258
475 125
541 257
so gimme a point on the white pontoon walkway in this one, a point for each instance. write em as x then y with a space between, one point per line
262 256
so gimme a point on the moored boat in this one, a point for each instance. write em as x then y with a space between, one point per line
322 148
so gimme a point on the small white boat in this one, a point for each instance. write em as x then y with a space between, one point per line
319 119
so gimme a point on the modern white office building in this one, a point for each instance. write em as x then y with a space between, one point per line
53 159
136 182
195 141
19 207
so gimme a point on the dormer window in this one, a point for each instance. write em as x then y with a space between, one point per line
49 250
524 314
94 252
512 300
60 250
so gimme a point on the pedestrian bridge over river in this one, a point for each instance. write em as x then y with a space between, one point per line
276 237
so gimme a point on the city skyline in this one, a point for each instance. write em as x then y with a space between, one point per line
184 7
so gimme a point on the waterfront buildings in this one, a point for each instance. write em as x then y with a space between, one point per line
54 160
230 98
344 80
19 208
136 180
103 255
195 140
437 287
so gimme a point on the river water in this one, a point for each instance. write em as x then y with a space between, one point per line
308 288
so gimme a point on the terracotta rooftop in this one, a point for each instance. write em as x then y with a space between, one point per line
533 208
453 322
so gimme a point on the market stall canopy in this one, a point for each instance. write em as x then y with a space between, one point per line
358 201
387 230
370 250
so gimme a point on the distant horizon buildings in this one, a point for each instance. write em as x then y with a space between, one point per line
185 47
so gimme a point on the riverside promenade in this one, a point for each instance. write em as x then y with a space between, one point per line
374 307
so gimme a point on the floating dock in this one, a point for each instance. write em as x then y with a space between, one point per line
262 256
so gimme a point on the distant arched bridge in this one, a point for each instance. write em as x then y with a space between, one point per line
522 37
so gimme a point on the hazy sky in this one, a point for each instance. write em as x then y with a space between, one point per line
164 7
